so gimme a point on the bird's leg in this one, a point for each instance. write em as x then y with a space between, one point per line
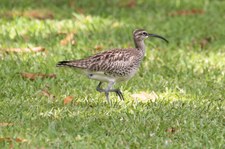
98 88
117 91
107 97
107 90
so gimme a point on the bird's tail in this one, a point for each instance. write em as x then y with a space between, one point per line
83 64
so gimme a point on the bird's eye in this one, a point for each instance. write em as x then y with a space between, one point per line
144 33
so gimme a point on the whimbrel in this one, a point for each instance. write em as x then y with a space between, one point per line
115 65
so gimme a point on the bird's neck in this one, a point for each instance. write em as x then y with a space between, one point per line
140 45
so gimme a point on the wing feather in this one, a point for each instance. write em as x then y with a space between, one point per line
114 61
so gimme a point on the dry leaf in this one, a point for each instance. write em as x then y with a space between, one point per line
46 93
11 14
11 146
131 3
39 14
21 140
80 10
128 3
33 76
204 42
11 140
145 97
25 37
34 49
34 14
6 124
98 48
71 3
68 39
187 12
8 139
171 130
68 99
61 33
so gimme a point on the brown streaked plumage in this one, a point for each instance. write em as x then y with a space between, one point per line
115 65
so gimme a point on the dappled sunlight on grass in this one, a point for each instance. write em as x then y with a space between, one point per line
208 61
172 96
168 95
40 28
32 33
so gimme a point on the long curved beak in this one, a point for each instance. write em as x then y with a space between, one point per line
157 36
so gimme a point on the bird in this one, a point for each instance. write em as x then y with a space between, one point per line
115 65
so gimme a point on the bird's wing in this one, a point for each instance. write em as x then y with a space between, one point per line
112 61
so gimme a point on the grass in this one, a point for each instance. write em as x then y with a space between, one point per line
187 74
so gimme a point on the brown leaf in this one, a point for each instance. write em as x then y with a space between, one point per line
39 14
145 97
68 99
8 139
33 76
6 124
34 49
21 140
187 12
10 14
11 146
131 3
25 37
128 3
68 39
171 130
204 42
71 3
61 33
80 10
98 48
46 93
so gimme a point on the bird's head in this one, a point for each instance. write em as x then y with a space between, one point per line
140 34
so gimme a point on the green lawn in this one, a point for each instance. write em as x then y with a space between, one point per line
188 75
